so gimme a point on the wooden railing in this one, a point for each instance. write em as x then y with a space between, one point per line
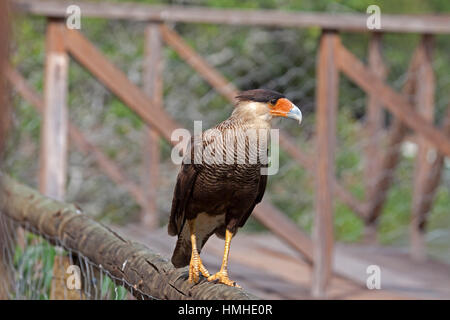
269 18
333 58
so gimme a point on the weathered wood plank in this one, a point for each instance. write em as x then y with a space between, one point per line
141 12
153 87
326 107
54 129
426 155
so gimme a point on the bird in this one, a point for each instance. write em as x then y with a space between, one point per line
214 196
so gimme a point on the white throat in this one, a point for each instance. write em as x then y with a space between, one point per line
257 112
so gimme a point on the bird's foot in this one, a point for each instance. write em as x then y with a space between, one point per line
195 268
222 277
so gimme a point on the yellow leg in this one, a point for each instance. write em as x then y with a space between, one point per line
195 265
222 275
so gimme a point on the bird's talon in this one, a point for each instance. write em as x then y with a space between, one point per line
195 268
193 278
222 277
204 271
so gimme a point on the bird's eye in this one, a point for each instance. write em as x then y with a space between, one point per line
273 101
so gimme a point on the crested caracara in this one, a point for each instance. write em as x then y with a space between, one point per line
216 195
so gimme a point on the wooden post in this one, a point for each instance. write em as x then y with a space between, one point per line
153 87
326 108
53 155
54 129
426 155
374 129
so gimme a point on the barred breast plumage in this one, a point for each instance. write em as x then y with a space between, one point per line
222 190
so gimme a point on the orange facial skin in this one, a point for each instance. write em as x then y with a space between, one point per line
281 108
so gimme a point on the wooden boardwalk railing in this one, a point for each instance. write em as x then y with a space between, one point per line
412 109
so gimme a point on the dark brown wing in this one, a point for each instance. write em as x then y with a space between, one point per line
183 190
261 189
184 187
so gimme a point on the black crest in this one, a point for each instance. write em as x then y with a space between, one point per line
259 95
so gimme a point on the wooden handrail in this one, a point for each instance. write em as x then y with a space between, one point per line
270 18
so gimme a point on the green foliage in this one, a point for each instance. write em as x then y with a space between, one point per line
35 264
112 290
119 110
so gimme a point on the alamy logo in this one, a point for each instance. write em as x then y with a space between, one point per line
73 20
374 278
374 20
74 280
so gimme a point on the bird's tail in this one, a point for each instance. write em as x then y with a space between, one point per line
182 254
183 249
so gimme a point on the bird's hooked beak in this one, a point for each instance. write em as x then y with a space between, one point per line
286 108
295 114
